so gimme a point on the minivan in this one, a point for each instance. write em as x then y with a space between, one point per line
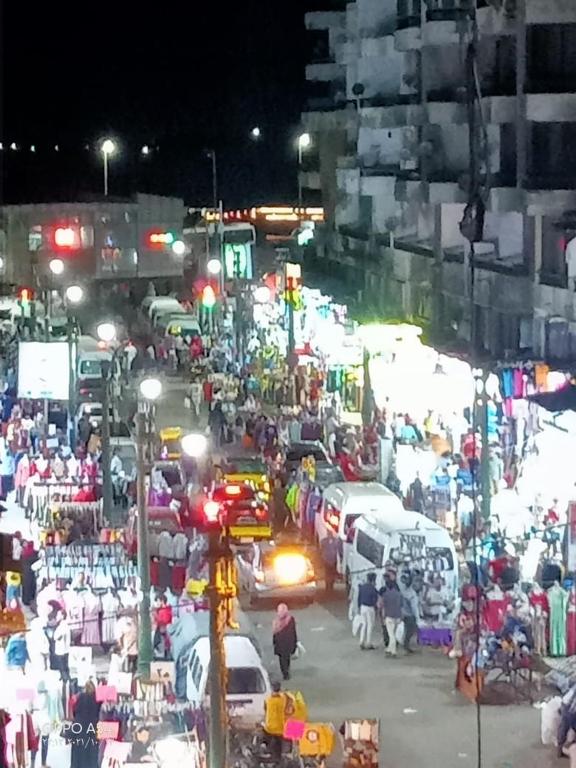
247 682
343 503
410 537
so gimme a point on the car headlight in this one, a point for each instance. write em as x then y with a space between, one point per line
290 568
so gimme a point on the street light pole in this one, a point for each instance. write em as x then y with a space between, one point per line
105 174
144 623
217 667
72 347
107 496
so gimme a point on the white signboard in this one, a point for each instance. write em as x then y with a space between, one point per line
43 370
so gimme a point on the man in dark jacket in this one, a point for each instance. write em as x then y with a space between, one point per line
367 602
410 612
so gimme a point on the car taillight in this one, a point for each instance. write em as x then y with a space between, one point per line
260 513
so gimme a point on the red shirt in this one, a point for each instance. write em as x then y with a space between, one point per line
164 615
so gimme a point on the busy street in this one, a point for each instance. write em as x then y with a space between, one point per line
288 385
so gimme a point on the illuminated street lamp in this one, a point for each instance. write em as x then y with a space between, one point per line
304 142
108 147
56 266
214 266
178 247
262 294
150 389
74 294
256 133
194 445
106 332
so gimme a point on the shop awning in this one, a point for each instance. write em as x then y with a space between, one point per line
563 399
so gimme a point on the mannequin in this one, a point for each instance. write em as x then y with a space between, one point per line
539 612
558 601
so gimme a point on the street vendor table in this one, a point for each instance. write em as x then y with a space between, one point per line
435 636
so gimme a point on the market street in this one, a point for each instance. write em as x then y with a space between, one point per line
413 697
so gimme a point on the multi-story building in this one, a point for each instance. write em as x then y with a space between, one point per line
107 239
390 120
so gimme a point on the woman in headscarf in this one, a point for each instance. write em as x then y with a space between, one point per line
84 743
285 638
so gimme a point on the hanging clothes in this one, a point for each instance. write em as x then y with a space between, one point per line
110 606
571 624
558 601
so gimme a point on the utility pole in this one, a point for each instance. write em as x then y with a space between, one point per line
217 669
144 619
107 496
72 345
485 484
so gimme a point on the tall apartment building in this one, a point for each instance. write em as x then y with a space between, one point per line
389 116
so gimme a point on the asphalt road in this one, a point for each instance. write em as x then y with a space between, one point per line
423 721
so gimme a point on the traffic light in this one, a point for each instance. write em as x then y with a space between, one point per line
208 297
65 237
212 514
25 294
160 239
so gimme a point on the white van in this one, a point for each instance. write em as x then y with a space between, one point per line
248 684
343 503
407 536
89 364
162 306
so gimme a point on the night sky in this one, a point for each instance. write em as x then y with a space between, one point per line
183 76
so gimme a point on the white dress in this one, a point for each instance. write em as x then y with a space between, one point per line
110 605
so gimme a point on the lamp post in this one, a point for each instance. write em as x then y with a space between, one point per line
196 445
108 147
304 141
149 390
73 295
106 333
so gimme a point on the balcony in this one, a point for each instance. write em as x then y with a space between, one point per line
396 116
447 10
310 179
550 12
408 13
325 72
551 107
322 20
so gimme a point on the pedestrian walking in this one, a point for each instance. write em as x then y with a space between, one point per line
285 639
84 752
367 602
410 611
329 551
391 608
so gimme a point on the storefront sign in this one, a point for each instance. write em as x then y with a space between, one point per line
43 370
571 553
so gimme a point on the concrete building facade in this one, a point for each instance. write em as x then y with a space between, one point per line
391 122
103 240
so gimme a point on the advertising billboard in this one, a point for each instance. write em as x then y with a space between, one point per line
43 370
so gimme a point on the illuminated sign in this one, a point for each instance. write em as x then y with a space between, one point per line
64 237
238 261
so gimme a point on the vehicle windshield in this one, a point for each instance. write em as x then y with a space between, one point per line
91 368
243 680
245 467
172 446
172 477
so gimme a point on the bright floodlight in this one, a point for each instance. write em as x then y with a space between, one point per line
262 294
151 389
108 147
194 445
214 266
106 332
256 132
1 262
304 140
178 248
74 294
145 149
56 266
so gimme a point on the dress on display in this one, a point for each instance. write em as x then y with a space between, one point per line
571 624
110 605
558 601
